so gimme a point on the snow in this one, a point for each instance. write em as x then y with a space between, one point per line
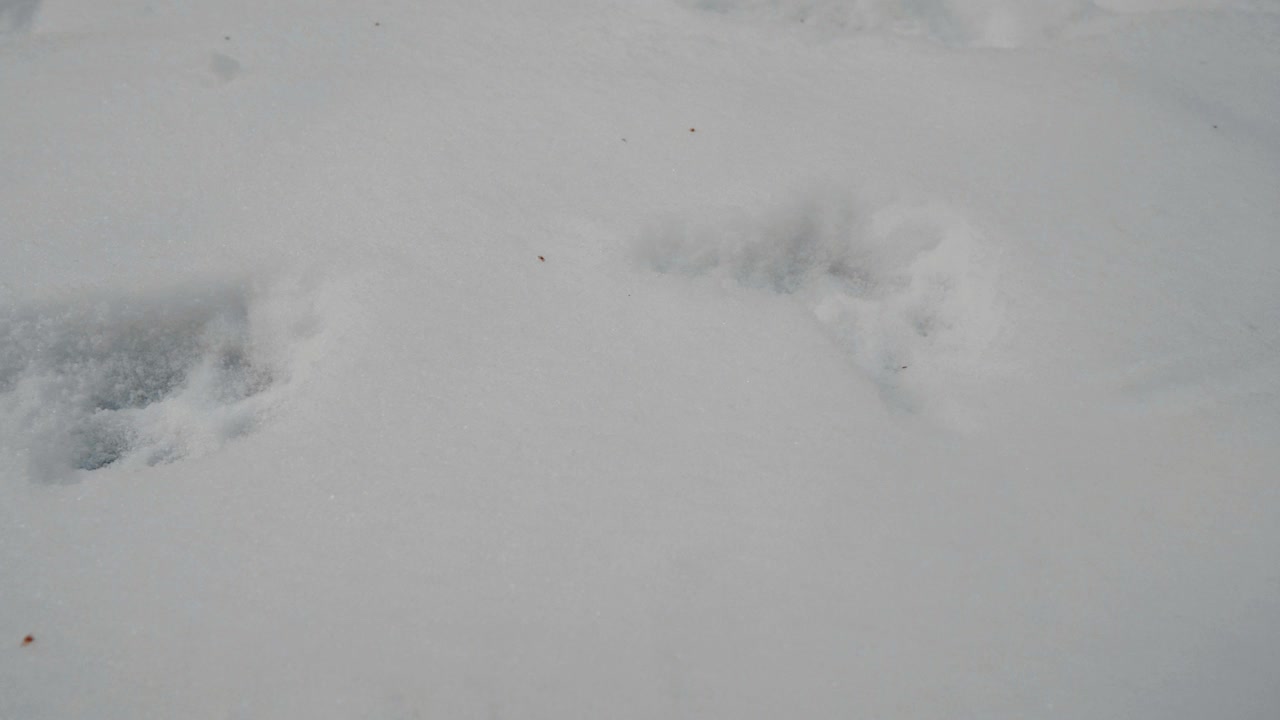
656 358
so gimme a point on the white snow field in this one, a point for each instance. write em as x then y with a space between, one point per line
871 359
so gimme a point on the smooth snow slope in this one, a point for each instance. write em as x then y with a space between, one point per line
639 359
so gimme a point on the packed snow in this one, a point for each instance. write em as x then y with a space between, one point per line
640 359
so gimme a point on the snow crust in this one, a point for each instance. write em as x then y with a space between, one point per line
673 358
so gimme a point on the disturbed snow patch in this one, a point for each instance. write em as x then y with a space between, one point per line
128 381
910 293
958 23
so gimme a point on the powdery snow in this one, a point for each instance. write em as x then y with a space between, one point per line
640 359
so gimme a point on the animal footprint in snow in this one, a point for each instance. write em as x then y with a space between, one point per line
908 292
929 298
135 380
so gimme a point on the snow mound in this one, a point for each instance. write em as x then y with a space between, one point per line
124 380
911 293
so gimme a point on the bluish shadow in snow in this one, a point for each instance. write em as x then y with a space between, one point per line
223 68
17 15
92 382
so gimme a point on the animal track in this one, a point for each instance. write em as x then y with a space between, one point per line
958 23
906 293
88 383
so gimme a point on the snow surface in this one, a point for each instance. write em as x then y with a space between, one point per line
640 359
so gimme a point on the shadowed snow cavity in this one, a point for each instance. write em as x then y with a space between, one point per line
92 382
